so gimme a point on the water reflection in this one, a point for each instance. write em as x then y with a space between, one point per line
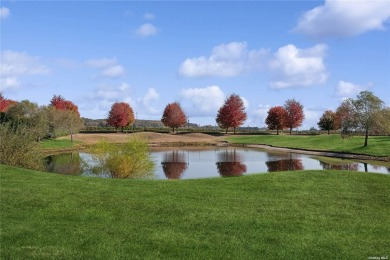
230 164
65 163
174 164
287 162
284 165
193 163
347 166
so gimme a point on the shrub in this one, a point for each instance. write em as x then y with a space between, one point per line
18 147
129 160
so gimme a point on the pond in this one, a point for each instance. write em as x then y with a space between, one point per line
194 163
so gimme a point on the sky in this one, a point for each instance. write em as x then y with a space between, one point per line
151 53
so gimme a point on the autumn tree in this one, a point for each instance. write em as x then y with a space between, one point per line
328 121
64 116
31 115
276 118
121 115
173 116
345 117
232 113
295 114
5 103
368 108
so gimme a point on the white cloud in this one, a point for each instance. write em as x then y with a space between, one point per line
4 12
146 30
204 101
151 95
148 102
347 89
18 64
226 60
294 67
113 71
9 83
260 114
101 63
149 16
341 18
109 67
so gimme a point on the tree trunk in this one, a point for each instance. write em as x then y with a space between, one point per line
290 130
227 129
71 136
366 138
173 129
328 131
234 130
277 130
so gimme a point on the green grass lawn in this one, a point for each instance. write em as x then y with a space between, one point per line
287 215
377 145
59 144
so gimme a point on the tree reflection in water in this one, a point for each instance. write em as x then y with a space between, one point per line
174 164
284 163
347 166
230 164
64 164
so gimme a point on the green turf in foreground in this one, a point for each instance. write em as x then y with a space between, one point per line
377 145
287 215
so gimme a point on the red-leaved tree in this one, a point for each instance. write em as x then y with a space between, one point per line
64 115
173 116
232 113
58 102
276 118
295 114
120 115
5 103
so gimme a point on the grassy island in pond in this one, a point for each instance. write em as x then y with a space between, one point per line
378 145
294 215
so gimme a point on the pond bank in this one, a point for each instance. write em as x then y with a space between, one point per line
316 152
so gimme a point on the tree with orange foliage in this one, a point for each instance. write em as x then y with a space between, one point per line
295 114
174 116
232 113
64 115
276 118
121 115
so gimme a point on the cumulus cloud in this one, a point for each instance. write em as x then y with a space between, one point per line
150 96
109 67
14 65
347 89
4 12
204 101
148 102
226 60
146 30
294 67
341 18
113 71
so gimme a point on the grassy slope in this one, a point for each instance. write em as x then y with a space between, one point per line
289 215
377 145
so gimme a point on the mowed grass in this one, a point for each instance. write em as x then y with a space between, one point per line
59 144
377 145
287 215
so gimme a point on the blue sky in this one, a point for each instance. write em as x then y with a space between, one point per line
149 54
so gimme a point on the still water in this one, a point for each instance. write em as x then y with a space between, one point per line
190 163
